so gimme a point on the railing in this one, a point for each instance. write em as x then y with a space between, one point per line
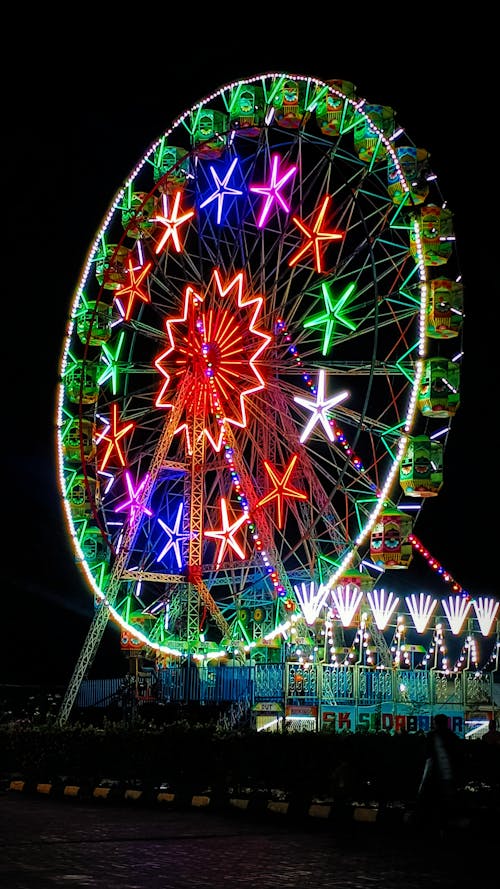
292 683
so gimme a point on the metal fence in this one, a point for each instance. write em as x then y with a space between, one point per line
292 683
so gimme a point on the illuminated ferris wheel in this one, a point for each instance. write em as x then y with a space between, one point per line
247 384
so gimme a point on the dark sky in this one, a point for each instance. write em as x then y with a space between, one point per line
86 118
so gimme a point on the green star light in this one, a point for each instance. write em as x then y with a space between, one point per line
331 315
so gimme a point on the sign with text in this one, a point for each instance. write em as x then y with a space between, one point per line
267 707
302 710
388 718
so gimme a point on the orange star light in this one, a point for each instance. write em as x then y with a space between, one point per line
315 238
281 488
113 438
134 289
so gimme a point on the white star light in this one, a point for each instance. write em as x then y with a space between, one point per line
226 534
319 408
175 537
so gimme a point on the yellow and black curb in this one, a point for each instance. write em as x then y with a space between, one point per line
312 810
252 804
259 803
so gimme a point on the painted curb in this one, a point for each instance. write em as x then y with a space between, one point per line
256 804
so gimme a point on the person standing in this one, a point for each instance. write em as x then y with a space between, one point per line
437 792
492 736
490 755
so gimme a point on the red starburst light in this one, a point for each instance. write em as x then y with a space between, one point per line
216 344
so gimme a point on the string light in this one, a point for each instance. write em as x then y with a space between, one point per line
339 436
436 566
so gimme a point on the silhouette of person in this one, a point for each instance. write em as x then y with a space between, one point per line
490 755
492 736
437 792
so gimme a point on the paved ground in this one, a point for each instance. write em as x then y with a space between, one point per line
50 843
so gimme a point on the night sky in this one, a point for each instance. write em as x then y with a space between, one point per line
78 130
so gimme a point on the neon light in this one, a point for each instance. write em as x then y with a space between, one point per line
272 191
486 610
236 482
312 601
226 534
331 314
108 483
175 538
281 488
347 599
221 189
382 606
211 344
456 609
342 440
421 610
319 408
134 288
134 498
315 238
113 438
172 223
112 362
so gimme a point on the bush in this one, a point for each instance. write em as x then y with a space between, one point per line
197 756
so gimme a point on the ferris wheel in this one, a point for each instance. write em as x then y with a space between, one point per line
258 341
